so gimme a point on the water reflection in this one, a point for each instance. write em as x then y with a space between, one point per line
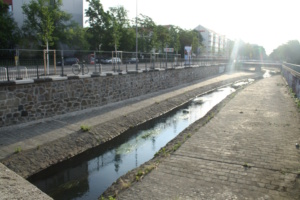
91 176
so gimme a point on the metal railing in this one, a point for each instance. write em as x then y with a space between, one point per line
32 64
292 67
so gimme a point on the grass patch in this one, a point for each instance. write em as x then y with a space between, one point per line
125 185
187 136
176 146
18 150
297 101
85 128
246 165
163 152
144 171
146 135
109 198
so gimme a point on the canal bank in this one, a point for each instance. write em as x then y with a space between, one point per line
61 138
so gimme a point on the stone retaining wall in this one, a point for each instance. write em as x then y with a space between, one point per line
292 77
27 102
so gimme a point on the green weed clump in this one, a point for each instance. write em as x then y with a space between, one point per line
146 135
109 198
85 128
18 150
297 101
162 152
176 146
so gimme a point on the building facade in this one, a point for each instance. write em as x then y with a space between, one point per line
9 3
73 7
214 43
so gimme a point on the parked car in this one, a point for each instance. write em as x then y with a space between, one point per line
103 60
68 61
131 60
111 60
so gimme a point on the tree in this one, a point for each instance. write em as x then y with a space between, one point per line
9 31
99 22
123 36
76 37
289 52
146 33
44 23
189 38
163 37
174 38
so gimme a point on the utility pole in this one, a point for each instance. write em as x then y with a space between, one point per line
136 39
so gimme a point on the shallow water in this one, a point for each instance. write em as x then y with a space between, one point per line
89 175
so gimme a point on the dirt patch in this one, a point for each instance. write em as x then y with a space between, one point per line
29 162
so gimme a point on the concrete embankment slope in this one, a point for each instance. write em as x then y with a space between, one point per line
247 151
12 186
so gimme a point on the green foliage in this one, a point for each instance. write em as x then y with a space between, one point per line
76 37
176 146
162 152
9 31
146 33
187 136
122 35
46 23
109 198
297 101
246 165
163 37
174 41
18 150
289 52
147 135
100 25
85 128
248 51
138 175
188 38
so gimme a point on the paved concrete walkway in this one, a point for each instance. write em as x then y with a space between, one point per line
247 151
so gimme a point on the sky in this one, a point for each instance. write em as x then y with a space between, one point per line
268 23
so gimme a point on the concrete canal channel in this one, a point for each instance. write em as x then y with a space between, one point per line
88 175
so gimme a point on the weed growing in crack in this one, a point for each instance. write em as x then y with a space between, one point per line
246 165
176 146
85 128
18 150
109 198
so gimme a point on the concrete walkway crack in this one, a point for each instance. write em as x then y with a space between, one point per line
245 165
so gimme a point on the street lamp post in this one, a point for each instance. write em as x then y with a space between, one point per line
136 40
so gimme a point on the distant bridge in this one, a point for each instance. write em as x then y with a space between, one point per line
257 65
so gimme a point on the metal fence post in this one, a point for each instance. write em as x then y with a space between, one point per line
7 74
37 71
82 68
95 62
62 63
